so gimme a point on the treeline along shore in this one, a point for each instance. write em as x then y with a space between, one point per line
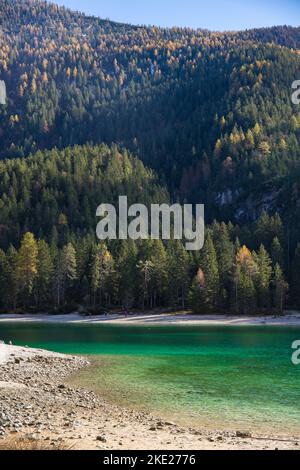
51 259
60 265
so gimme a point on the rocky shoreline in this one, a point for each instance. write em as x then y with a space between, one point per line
36 403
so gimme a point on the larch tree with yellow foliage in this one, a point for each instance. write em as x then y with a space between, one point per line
102 267
244 278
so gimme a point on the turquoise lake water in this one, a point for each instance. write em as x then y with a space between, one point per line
218 376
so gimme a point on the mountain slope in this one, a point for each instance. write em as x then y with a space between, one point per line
211 112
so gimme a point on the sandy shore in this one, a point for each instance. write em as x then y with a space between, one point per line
37 403
289 319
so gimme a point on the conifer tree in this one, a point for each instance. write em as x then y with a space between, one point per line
225 255
178 273
43 279
27 265
277 253
69 264
245 271
65 273
127 273
102 268
281 288
209 266
196 296
146 269
11 287
3 277
296 277
159 273
246 294
263 277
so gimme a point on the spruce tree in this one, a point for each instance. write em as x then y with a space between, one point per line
146 269
101 272
43 280
263 277
178 273
295 287
196 297
8 280
209 266
244 292
277 253
27 265
159 273
281 288
127 273
225 255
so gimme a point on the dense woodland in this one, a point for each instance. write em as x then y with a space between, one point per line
210 116
51 257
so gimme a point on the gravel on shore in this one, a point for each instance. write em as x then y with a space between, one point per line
37 403
291 318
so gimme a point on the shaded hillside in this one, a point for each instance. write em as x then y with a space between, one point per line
210 116
56 193
210 111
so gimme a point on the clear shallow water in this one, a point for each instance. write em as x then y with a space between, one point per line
224 377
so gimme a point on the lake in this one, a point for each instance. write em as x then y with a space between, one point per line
222 377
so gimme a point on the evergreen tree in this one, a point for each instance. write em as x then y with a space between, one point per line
69 270
209 266
43 280
127 273
277 253
263 277
8 281
225 255
246 294
296 277
12 285
178 273
245 271
102 269
159 273
145 269
27 265
281 288
196 297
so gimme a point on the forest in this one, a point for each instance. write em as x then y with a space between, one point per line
50 256
97 109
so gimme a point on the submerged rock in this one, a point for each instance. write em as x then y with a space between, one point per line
243 434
